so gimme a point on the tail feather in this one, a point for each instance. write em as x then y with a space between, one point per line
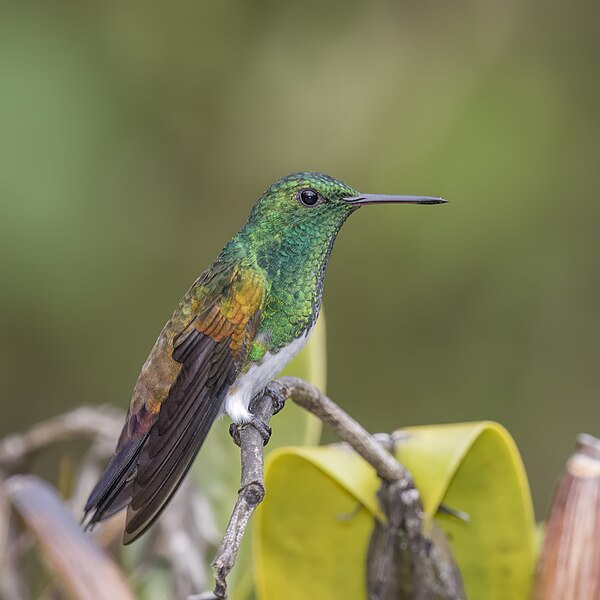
112 493
146 470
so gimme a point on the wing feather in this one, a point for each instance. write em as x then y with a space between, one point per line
161 437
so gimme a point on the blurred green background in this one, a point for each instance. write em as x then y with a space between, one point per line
135 137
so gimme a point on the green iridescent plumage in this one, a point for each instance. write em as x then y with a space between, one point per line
290 244
238 325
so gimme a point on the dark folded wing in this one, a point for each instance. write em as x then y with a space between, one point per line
182 426
158 445
146 470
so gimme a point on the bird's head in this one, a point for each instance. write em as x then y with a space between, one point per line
298 217
316 200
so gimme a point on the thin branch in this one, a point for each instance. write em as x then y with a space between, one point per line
398 551
186 535
183 537
250 495
400 544
85 423
310 398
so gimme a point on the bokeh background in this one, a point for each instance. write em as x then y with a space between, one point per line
134 138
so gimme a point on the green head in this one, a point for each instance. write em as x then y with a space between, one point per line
312 202
294 223
289 236
299 216
312 199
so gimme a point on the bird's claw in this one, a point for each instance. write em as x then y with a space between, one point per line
258 424
262 428
277 392
234 432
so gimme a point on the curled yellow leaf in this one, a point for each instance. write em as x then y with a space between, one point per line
314 525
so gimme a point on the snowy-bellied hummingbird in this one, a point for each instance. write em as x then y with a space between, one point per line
235 329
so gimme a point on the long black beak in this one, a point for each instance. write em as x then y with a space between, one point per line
364 199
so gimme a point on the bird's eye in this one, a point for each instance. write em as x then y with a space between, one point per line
309 197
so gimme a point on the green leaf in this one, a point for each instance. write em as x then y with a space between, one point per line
305 548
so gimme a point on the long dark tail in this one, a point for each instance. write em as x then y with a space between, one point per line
146 471
121 486
112 492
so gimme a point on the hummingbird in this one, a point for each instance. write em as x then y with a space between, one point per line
240 323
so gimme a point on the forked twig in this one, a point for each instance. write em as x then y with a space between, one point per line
250 495
401 559
428 572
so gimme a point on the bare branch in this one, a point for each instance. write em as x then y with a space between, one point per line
401 559
398 551
310 398
400 544
250 495
186 535
84 423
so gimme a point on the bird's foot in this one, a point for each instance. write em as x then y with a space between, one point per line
278 393
258 424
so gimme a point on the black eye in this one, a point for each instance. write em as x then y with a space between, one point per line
309 197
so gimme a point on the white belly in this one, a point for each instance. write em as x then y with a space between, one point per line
257 377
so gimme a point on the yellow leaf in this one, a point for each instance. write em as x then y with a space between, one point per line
304 547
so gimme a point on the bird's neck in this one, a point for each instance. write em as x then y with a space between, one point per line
293 259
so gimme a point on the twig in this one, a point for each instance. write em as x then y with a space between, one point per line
187 534
310 398
183 537
250 495
85 423
428 571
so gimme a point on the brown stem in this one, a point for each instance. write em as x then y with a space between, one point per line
398 551
85 423
250 495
